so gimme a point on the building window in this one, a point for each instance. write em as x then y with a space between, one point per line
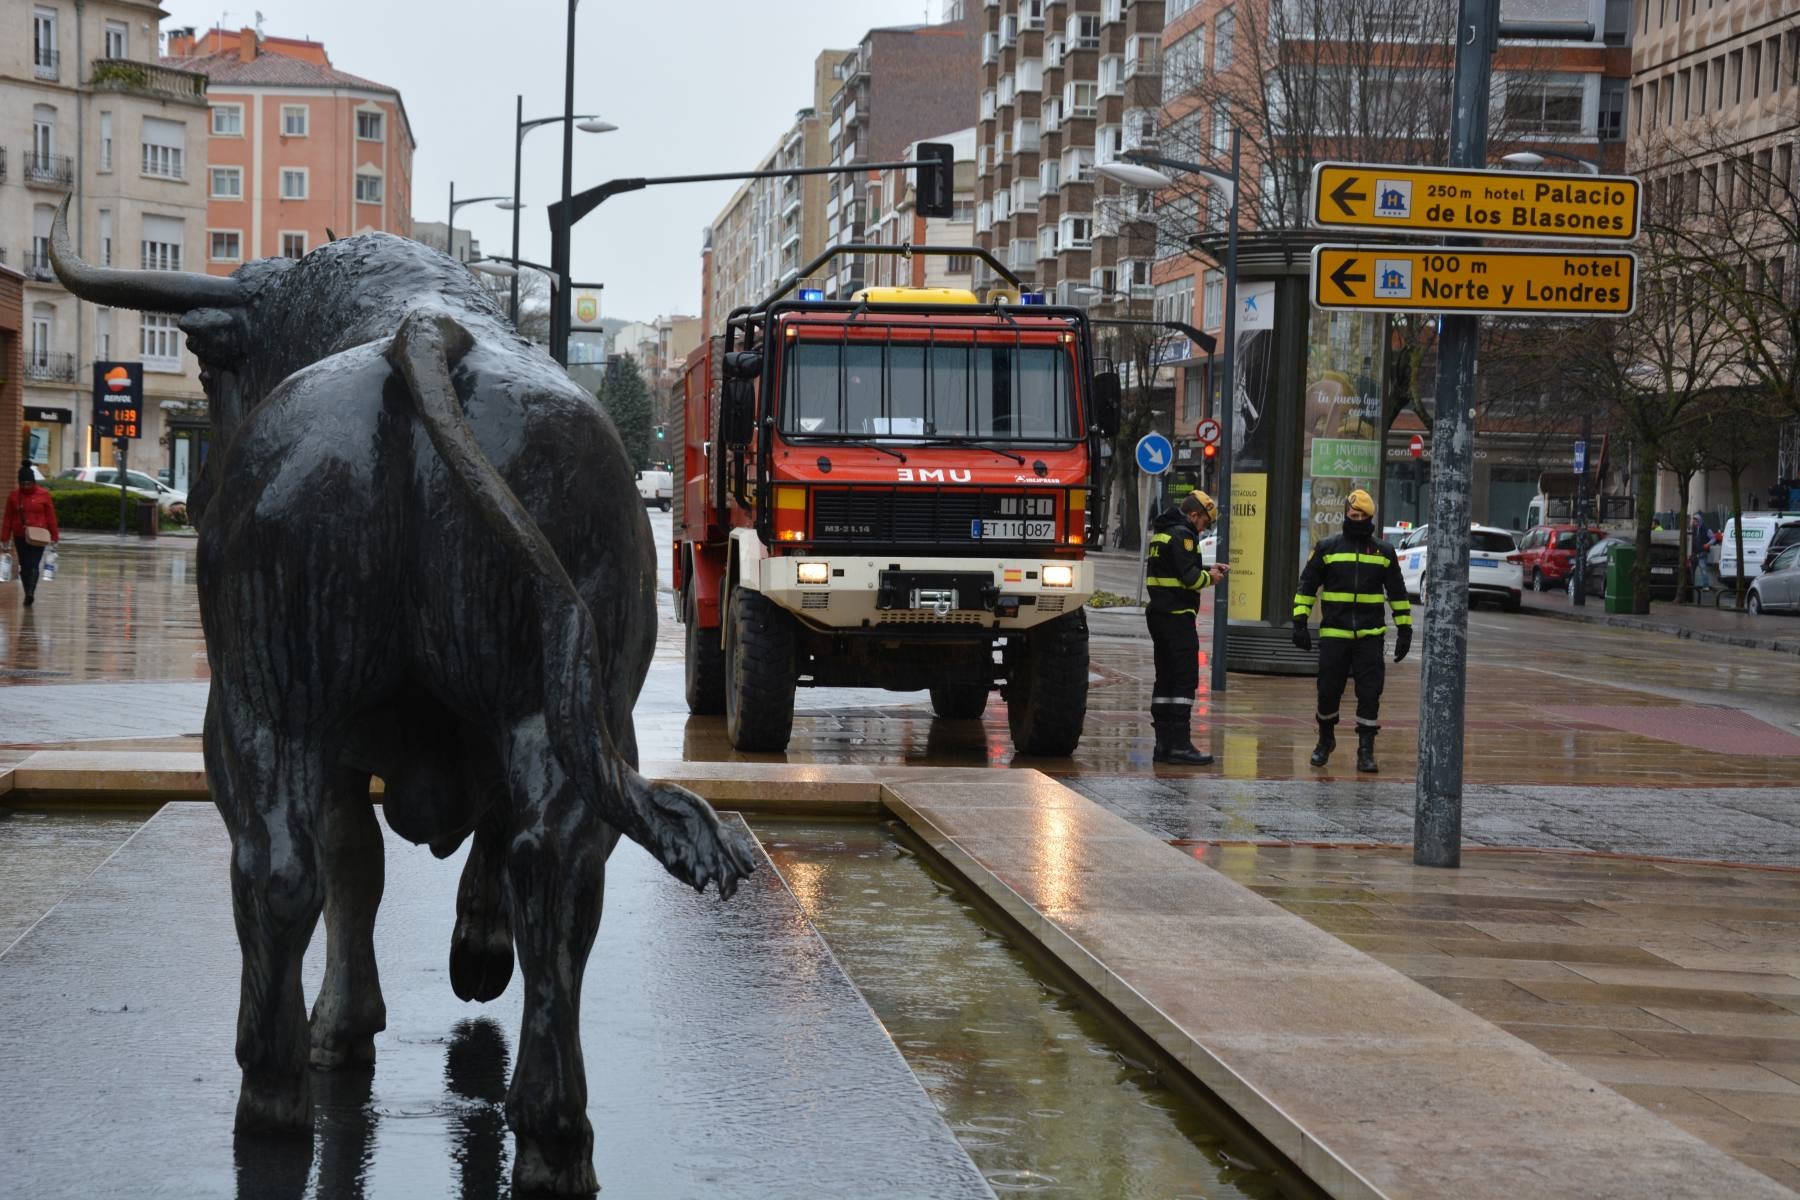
106 141
293 120
1612 107
1084 31
369 126
1221 129
106 237
43 135
117 33
43 331
227 183
1224 40
103 334
368 189
1081 99
164 148
225 245
228 120
1076 232
1031 13
1212 300
959 264
293 183
43 43
1550 104
293 245
1054 51
159 342
161 244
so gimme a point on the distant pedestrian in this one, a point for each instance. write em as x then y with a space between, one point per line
1700 542
30 525
1175 576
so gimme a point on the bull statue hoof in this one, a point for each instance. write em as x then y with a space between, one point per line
344 1051
481 961
274 1107
547 1166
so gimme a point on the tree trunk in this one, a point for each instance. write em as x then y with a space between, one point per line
1684 578
1737 517
1646 511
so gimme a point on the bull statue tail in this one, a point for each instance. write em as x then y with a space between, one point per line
675 825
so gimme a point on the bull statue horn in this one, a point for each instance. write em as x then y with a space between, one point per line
151 291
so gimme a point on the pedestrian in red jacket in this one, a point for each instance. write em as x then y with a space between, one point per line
30 525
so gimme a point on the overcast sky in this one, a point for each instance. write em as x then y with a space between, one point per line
694 86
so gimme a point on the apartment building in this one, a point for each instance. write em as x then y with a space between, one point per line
298 149
1714 122
899 86
895 221
87 110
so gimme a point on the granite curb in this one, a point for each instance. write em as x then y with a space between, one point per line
1671 629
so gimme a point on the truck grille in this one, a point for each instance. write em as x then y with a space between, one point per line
911 515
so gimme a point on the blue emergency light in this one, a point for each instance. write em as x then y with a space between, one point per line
812 295
1031 297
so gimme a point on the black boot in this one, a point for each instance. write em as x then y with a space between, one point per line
1159 720
1327 743
1365 749
1181 749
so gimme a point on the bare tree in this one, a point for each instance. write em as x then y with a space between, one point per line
1132 345
534 300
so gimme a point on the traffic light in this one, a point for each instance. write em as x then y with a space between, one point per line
935 186
661 432
1209 463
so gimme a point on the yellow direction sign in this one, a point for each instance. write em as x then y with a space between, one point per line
1498 204
1598 283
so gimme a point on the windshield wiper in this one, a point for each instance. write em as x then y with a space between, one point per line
1016 457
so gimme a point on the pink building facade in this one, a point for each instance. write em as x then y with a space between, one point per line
297 149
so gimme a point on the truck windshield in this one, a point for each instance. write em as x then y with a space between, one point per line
864 390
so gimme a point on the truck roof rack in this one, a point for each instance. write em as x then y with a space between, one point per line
903 250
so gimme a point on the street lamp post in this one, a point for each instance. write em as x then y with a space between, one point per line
450 222
586 122
1138 172
1535 158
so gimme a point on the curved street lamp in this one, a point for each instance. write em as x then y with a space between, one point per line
586 122
450 221
1535 158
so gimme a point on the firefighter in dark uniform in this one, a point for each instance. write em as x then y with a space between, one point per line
1355 577
1175 579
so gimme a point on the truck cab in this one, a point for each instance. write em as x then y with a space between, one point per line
895 491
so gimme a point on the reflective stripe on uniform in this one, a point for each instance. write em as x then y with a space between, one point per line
1302 600
1380 560
1170 582
1188 700
1353 597
1400 606
1401 619
1329 632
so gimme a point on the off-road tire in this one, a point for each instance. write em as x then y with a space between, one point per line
959 701
759 673
705 662
1046 686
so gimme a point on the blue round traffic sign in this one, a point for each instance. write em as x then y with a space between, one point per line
1154 454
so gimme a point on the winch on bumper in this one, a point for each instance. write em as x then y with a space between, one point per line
867 593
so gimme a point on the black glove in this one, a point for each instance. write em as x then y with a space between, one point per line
1302 636
1402 642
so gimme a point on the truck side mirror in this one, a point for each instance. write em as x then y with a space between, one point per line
739 416
1106 403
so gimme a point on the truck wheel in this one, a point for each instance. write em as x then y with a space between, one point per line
959 701
759 673
1046 686
705 663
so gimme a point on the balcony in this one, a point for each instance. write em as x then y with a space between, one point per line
46 64
49 170
150 80
43 367
34 261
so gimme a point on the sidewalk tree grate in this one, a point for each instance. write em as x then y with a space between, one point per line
1704 727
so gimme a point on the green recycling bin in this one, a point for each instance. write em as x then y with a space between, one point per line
1620 560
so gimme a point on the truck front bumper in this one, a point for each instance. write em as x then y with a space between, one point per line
955 594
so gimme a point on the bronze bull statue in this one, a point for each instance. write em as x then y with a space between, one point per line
422 557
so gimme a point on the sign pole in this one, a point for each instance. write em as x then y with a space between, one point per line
1437 814
123 447
1227 421
1579 574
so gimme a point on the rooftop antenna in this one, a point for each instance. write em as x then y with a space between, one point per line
259 24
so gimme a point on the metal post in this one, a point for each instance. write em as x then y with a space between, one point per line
560 252
1222 593
450 224
1579 575
518 149
123 448
1437 816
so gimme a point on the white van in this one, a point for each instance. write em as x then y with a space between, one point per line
1761 533
656 488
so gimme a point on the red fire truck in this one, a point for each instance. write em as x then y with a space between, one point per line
892 491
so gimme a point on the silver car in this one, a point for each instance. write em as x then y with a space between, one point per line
1777 589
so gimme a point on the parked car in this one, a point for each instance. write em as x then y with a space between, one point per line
1494 572
1760 533
1547 554
1665 564
136 482
1777 589
657 488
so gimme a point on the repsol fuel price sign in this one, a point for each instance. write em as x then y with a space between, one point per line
118 399
1541 206
1600 283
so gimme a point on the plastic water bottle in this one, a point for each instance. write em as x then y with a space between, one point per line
49 571
5 568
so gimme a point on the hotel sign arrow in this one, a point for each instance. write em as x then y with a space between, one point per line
1457 279
1541 206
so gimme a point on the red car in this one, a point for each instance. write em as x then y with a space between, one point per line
1547 554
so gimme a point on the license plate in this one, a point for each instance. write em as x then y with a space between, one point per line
1483 562
1015 530
1662 570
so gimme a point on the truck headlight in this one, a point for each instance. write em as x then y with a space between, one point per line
1057 575
813 572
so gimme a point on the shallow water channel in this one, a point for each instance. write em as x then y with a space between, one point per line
1038 1088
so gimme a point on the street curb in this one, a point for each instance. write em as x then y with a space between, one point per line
1680 631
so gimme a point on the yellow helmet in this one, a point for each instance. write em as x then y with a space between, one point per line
1199 501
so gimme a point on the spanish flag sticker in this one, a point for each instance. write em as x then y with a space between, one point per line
1013 575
